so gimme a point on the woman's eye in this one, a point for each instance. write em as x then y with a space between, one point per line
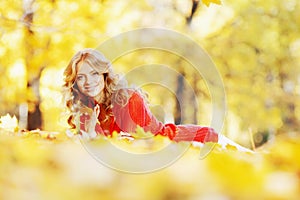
95 73
79 78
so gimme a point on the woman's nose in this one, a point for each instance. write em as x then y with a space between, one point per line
88 80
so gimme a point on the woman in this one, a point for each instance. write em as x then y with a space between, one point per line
105 105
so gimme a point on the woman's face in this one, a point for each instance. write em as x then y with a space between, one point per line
89 81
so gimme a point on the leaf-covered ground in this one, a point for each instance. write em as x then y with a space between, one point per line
43 165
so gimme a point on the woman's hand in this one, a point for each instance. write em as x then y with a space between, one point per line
93 121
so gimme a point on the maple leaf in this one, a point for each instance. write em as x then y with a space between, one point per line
9 123
208 2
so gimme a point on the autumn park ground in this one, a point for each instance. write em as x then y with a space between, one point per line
47 165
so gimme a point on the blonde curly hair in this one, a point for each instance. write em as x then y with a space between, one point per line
77 102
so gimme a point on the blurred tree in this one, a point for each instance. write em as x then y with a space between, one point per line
12 64
261 70
195 4
180 98
34 69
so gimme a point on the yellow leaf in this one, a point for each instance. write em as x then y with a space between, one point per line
231 147
140 133
208 2
9 123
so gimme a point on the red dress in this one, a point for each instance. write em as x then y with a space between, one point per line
135 113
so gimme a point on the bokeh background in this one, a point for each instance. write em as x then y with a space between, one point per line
255 46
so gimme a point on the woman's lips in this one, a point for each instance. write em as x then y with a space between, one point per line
90 89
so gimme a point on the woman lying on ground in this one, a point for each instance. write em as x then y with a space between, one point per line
105 104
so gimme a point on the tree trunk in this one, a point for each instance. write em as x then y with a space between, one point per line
194 100
34 120
179 99
195 4
34 113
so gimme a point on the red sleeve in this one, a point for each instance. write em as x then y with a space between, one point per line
135 113
189 133
141 114
195 133
138 111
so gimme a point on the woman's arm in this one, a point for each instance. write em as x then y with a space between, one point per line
135 113
140 114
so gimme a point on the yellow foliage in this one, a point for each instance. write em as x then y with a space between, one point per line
61 165
208 2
